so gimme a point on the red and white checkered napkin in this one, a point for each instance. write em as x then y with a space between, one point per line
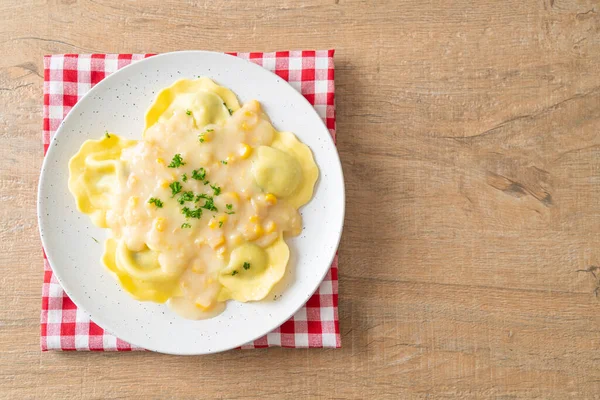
67 78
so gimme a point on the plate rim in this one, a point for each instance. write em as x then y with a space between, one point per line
106 81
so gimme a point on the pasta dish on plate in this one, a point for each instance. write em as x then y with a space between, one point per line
199 208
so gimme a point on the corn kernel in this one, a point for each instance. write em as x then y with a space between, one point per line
213 223
245 151
216 241
230 158
197 269
133 200
253 105
207 136
271 199
164 183
248 113
258 230
249 232
132 180
209 281
234 195
271 226
253 218
223 218
235 239
221 252
160 224
245 126
204 304
160 161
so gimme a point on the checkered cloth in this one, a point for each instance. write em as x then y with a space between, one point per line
67 78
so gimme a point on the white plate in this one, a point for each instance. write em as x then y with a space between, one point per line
118 104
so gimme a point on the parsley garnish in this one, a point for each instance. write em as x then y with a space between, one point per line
199 174
156 202
184 177
176 162
216 189
220 224
107 135
185 225
175 188
188 112
201 196
229 207
228 109
197 213
186 196
210 205
246 265
224 162
210 130
95 240
234 273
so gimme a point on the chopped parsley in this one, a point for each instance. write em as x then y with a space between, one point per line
184 177
220 224
185 225
95 240
196 213
156 202
107 134
188 112
228 109
201 196
210 205
177 161
210 130
234 273
199 174
186 196
175 188
246 265
216 189
230 208
224 162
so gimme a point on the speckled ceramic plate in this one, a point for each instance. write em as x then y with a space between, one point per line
118 104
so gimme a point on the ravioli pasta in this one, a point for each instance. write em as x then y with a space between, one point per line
198 209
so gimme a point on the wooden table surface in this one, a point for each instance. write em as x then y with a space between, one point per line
469 136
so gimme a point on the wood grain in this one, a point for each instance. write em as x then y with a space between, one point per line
469 136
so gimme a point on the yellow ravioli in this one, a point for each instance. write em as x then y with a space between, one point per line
253 271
